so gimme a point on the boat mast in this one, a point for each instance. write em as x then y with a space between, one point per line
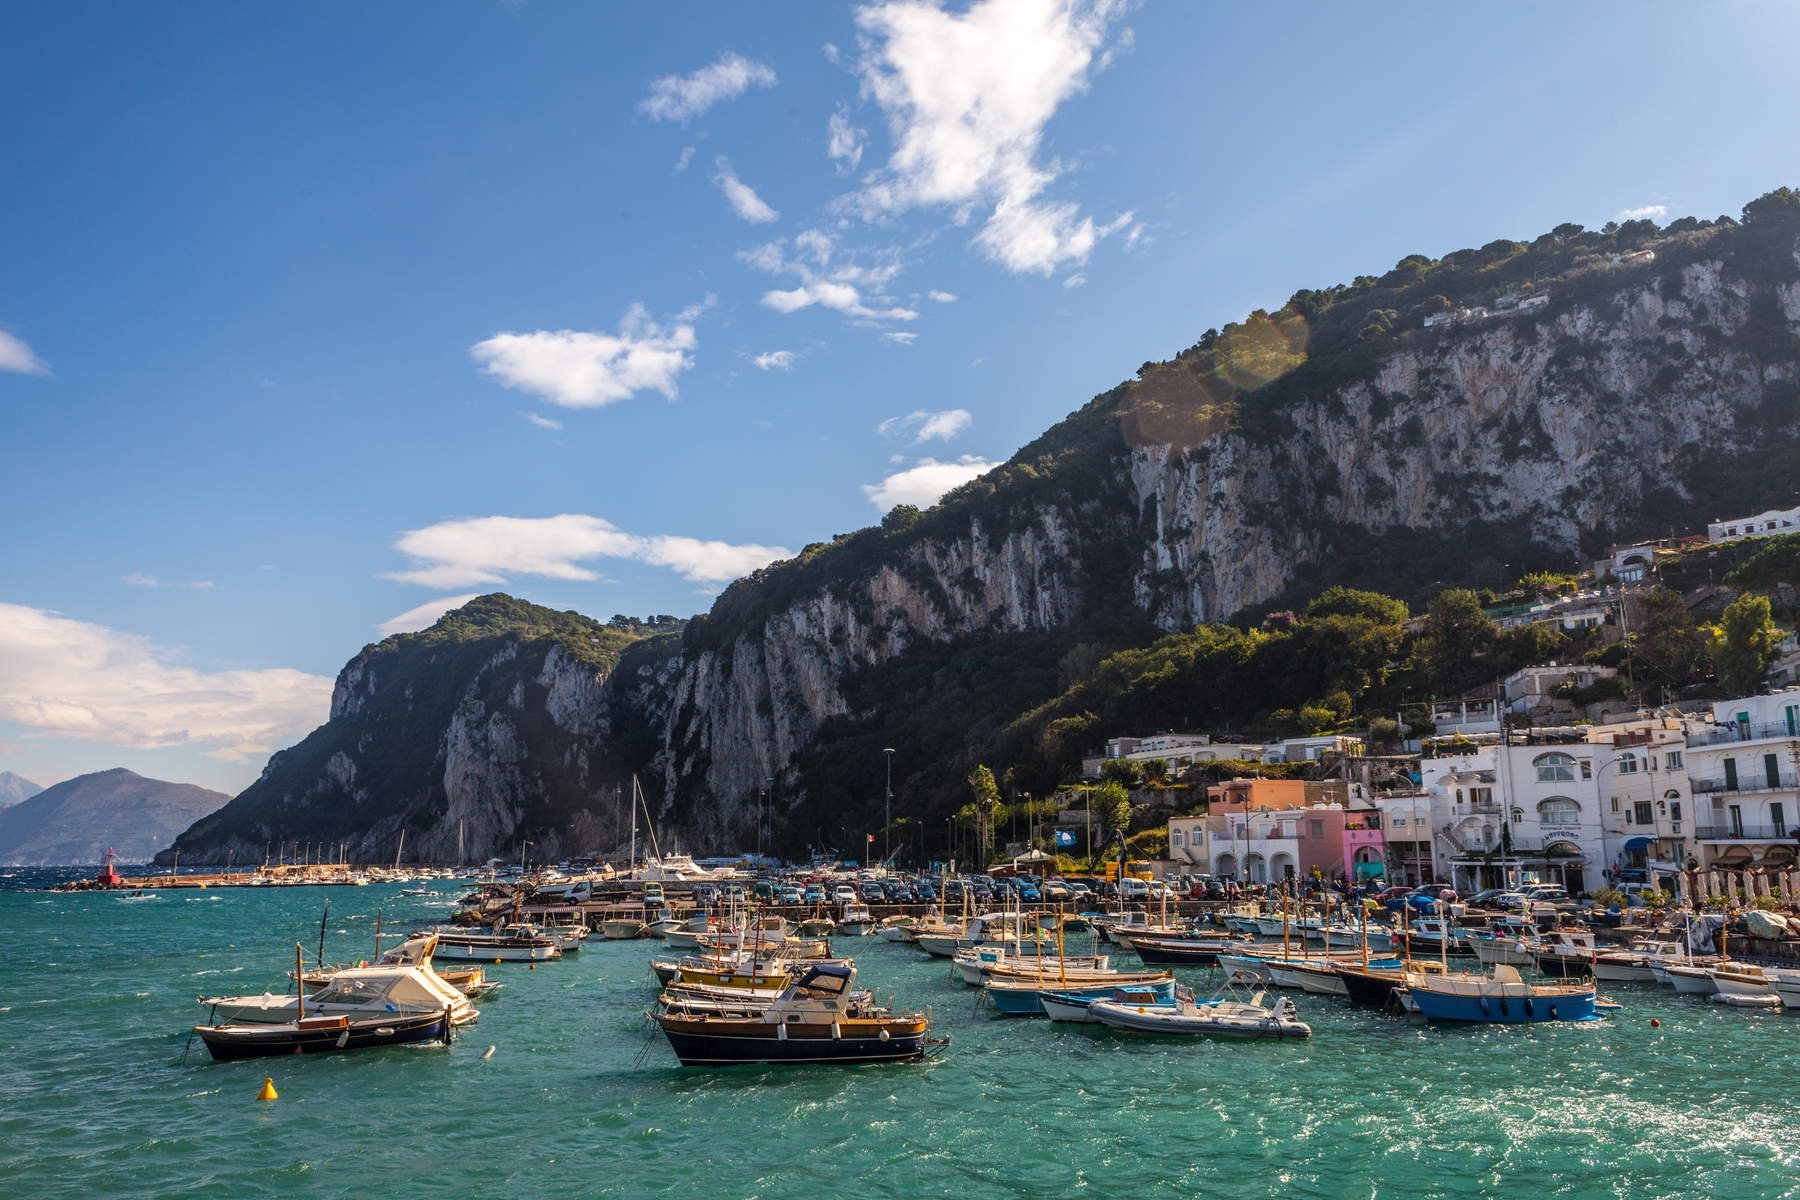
299 984
399 848
634 822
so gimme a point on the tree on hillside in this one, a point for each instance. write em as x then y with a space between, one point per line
1778 562
1669 649
1745 647
1455 651
1111 806
1123 771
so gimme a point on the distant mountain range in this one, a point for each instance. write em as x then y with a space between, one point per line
76 821
15 789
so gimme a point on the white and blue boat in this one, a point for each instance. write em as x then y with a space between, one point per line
1072 1005
1015 998
1505 999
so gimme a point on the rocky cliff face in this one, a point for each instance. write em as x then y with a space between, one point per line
504 723
1335 440
1599 413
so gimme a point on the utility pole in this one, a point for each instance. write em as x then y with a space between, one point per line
888 836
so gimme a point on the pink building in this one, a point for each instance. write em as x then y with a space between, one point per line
1340 842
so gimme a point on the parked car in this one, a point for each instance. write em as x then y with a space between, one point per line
874 893
706 893
844 894
792 895
1135 889
1028 892
764 890
814 894
923 892
1056 889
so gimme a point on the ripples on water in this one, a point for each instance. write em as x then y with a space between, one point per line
98 997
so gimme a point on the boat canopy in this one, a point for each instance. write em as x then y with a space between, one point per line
403 985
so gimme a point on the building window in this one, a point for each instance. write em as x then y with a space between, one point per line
1778 818
1587 769
1644 814
1318 829
1615 803
1737 820
1174 837
1674 810
1555 768
1672 760
1518 815
1482 795
1731 775
1628 764
1772 770
1559 810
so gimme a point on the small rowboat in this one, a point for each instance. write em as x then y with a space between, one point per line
323 1035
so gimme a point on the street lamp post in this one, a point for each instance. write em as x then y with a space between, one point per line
888 836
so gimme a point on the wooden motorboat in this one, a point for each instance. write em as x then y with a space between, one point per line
1634 963
815 1020
856 921
1180 951
324 1035
1564 952
461 945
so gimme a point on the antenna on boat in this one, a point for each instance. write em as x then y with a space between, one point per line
323 917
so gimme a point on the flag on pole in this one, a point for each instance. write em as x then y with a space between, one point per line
871 839
1065 838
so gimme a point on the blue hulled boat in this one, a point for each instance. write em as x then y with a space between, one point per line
1505 999
1026 999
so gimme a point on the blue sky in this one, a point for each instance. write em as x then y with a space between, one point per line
317 314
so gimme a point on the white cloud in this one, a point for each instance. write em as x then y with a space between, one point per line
139 579
488 549
844 141
827 278
927 425
15 355
687 156
967 96
1074 281
925 483
741 196
541 422
1655 212
776 360
589 370
71 679
424 616
684 97
900 338
942 297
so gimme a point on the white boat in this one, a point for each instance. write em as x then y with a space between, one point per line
672 868
1635 963
686 935
358 992
769 931
1744 980
1787 985
857 921
622 929
1493 949
1226 1016
1692 980
481 945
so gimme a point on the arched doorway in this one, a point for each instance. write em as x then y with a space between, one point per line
1255 869
1281 865
1564 865
1225 864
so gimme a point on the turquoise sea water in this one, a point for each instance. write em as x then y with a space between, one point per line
97 999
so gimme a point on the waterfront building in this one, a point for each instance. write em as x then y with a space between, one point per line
1646 807
1407 840
1742 773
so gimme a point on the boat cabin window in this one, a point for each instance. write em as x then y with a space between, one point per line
821 987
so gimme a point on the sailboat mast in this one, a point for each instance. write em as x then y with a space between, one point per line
634 822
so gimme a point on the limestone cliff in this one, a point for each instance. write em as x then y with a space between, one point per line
1495 410
503 723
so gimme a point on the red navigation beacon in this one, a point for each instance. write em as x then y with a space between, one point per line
109 874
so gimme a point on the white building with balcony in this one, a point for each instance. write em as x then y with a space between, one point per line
1768 524
1410 844
1514 814
1743 770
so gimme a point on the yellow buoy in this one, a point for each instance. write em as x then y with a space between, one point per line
268 1092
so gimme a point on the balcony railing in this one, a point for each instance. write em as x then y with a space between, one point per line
1720 735
1748 833
1749 781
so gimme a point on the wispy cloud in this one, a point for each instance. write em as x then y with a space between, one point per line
424 616
923 426
687 156
925 483
589 370
942 297
776 360
967 96
489 549
743 199
900 337
1074 281
828 278
1654 212
843 141
72 679
541 422
139 579
684 97
16 356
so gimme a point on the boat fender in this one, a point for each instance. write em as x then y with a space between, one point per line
343 1039
1482 1000
781 1033
837 1033
1553 1015
884 1035
1529 1014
